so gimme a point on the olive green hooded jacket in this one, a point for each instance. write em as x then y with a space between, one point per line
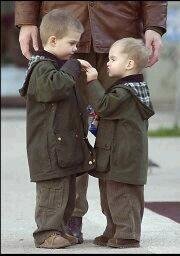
57 145
121 144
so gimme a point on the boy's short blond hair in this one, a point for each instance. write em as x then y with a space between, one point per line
136 50
58 23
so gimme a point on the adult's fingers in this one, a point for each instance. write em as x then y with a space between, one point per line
148 43
24 45
28 37
153 43
35 40
157 45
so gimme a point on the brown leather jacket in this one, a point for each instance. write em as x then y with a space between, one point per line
104 21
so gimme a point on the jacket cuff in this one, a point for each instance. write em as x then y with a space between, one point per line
159 30
72 67
96 92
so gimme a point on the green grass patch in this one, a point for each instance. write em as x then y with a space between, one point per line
165 132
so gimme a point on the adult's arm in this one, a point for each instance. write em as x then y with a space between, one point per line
27 14
154 15
154 24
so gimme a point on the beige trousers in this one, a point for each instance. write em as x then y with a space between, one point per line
55 202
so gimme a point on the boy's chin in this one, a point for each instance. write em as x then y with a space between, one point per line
68 57
65 58
110 75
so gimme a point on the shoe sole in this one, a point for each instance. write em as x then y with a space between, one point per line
100 244
71 241
56 247
53 247
80 241
123 246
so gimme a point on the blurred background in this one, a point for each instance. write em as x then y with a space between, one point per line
163 77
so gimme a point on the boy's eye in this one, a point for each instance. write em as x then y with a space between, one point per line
72 43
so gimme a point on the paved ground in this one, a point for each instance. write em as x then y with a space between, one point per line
160 234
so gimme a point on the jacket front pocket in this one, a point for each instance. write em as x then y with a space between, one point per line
102 151
69 149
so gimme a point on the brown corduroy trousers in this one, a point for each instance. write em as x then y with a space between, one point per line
123 206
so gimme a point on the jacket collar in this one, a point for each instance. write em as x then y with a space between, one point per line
51 56
131 79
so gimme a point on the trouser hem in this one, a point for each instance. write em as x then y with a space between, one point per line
127 236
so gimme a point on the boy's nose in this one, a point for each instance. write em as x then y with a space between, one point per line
75 49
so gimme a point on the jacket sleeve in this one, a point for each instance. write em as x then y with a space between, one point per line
27 12
48 84
106 104
154 14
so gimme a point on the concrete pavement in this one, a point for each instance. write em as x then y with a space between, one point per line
159 233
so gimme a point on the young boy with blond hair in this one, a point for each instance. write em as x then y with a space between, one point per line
121 144
57 147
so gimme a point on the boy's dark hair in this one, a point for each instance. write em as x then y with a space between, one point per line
58 23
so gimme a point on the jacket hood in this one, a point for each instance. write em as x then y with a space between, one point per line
37 57
138 88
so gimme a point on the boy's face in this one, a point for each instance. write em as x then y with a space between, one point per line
117 64
65 47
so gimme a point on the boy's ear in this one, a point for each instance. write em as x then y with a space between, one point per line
52 40
130 64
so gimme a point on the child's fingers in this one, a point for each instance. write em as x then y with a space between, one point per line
84 63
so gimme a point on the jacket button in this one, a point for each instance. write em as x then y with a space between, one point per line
90 162
59 138
76 136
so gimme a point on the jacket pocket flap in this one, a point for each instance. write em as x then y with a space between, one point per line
69 149
102 144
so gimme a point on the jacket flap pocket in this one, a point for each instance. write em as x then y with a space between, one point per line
69 149
102 144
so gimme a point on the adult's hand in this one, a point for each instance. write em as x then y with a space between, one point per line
153 42
28 35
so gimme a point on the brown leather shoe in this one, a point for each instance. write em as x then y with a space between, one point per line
71 239
101 240
122 243
55 241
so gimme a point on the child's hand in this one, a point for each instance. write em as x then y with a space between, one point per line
85 64
90 71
